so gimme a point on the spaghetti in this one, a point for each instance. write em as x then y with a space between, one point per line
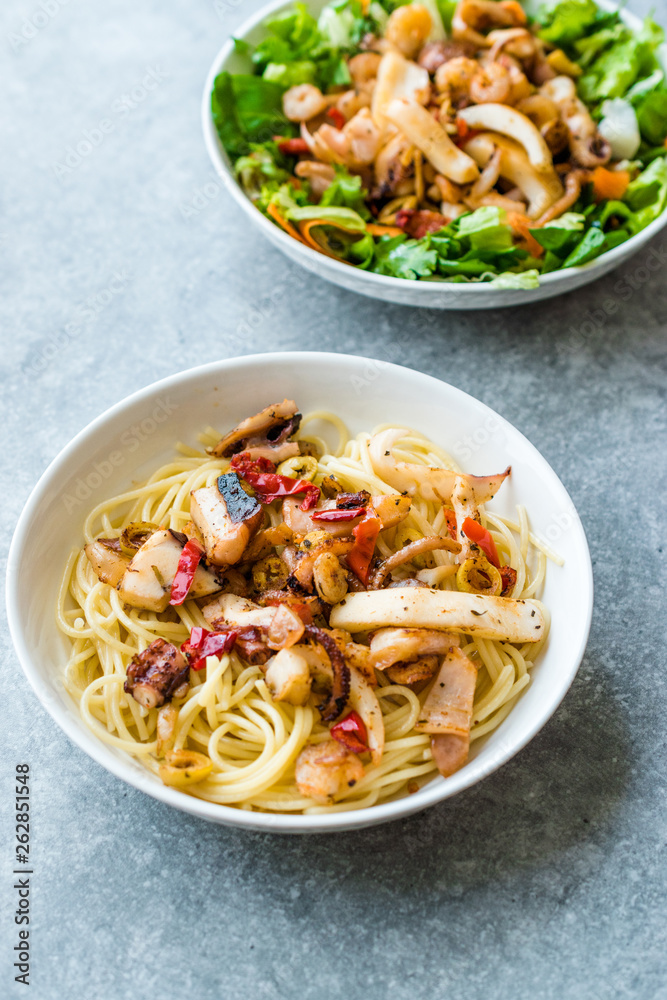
228 712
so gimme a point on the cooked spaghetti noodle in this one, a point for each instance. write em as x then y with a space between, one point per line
228 712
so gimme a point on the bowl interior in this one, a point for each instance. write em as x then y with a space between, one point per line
437 294
136 436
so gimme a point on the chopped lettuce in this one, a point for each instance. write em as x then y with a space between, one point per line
291 74
485 229
346 190
566 21
401 257
526 279
647 194
559 233
651 112
616 59
247 109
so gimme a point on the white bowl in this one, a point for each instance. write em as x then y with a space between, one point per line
429 294
137 435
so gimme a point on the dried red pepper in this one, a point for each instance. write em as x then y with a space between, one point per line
243 463
336 117
203 643
185 572
351 733
291 147
337 514
270 486
365 536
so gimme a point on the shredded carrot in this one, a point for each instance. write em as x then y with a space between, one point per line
609 184
375 229
305 228
284 224
521 225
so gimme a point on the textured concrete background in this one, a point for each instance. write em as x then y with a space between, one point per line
546 881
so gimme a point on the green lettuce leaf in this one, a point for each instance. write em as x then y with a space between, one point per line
647 194
620 65
556 234
526 279
291 74
247 109
566 21
400 257
485 229
346 190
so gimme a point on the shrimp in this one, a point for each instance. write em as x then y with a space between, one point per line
471 17
318 175
408 28
364 69
516 41
352 101
303 102
491 84
356 144
454 77
326 770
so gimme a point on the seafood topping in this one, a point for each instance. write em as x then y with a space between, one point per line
226 517
240 506
340 687
156 675
326 770
264 435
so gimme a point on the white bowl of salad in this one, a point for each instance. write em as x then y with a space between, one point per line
456 155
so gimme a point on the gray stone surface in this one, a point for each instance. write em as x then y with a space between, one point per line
547 880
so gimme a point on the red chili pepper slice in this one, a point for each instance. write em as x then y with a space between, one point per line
203 643
365 536
270 486
508 576
480 536
243 463
291 147
450 518
337 117
185 572
351 732
337 514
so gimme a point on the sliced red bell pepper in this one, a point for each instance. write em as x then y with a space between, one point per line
336 117
203 643
351 732
365 536
270 486
337 514
243 463
185 572
480 536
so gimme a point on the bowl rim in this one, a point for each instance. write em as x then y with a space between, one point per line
218 157
437 791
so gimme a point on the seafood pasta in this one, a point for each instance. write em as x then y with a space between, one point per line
273 625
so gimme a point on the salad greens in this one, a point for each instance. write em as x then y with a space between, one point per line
621 80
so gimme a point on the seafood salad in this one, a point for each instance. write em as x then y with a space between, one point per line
269 623
478 140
